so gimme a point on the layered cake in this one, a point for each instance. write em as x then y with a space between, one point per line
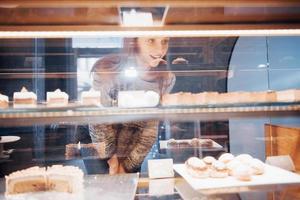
91 97
57 98
3 101
292 95
24 99
55 178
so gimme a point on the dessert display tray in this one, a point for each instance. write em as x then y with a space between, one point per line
95 187
273 176
164 145
90 114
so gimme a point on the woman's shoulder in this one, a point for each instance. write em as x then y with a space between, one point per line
110 62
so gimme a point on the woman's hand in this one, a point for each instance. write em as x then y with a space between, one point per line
113 163
121 169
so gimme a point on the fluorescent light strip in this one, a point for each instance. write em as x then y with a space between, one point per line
161 33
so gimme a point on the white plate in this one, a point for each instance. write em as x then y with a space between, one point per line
272 176
164 145
7 139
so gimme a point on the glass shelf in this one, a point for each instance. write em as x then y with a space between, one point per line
75 113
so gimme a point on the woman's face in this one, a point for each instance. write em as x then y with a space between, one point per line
152 51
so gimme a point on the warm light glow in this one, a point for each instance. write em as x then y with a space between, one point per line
134 18
148 33
130 72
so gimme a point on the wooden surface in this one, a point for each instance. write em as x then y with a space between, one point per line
281 140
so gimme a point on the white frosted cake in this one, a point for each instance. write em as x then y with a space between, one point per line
137 99
24 98
3 101
56 178
57 98
91 97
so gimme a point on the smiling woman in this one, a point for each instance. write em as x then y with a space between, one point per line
127 144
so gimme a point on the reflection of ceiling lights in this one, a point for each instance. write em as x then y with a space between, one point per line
134 18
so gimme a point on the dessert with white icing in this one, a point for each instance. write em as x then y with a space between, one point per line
218 170
226 157
137 99
91 97
55 178
57 98
3 101
197 168
24 99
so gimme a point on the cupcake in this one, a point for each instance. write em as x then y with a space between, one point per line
197 168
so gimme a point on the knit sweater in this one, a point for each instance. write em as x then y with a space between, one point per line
130 141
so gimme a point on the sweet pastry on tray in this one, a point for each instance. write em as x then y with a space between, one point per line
242 167
24 99
205 143
218 170
3 101
57 98
197 168
91 97
226 157
55 178
172 143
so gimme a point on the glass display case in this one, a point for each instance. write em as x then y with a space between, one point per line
151 93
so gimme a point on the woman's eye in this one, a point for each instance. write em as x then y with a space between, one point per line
150 41
164 42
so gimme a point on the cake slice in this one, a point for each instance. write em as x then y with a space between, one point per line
24 99
64 178
3 101
57 98
91 97
56 178
29 180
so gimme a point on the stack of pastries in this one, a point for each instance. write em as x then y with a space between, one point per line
242 167
215 98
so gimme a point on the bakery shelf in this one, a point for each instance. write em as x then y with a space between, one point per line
77 114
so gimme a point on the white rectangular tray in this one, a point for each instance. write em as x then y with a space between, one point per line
272 176
164 145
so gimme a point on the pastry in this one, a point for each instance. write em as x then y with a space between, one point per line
137 99
197 168
209 160
205 143
57 178
218 170
57 98
242 172
180 60
257 166
91 97
244 158
184 144
292 95
3 101
24 99
195 142
172 143
226 157
231 165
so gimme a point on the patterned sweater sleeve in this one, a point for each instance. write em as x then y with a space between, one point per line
144 142
104 135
